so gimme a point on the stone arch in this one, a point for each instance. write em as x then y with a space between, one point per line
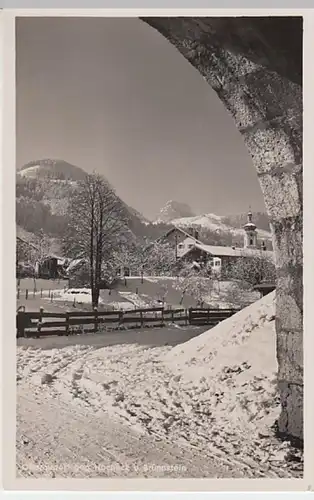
255 67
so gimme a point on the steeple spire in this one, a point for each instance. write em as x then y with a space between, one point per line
249 215
250 238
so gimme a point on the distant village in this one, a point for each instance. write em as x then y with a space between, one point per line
185 244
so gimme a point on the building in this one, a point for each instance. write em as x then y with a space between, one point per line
250 232
51 267
181 240
220 258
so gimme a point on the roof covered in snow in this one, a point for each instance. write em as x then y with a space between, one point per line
221 251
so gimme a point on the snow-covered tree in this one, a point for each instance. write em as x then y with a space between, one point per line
196 281
97 228
159 260
252 271
156 259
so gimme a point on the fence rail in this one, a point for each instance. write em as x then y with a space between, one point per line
34 324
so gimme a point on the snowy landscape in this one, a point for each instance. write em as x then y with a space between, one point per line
158 288
212 391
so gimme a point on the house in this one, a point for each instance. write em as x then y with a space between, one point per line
51 267
221 258
181 240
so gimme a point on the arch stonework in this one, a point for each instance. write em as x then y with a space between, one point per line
255 67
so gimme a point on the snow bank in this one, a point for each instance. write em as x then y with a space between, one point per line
233 332
232 368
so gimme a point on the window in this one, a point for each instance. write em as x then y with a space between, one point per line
180 246
191 245
251 241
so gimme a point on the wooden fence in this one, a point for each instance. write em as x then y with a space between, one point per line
37 324
207 316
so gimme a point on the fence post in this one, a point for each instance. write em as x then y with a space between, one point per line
41 293
142 321
96 319
190 315
162 317
18 293
40 321
21 324
51 297
124 281
49 293
186 316
67 326
34 293
136 291
172 316
121 317
26 294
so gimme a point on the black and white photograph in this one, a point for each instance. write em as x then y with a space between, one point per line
159 247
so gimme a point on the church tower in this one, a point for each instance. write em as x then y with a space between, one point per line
250 236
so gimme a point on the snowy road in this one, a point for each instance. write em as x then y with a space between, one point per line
150 337
57 439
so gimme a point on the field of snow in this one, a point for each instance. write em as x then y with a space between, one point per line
225 294
220 294
215 394
128 300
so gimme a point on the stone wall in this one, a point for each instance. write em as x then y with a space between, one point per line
255 66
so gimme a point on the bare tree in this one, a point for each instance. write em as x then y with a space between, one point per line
44 246
97 227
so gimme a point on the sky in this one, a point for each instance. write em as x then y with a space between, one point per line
114 96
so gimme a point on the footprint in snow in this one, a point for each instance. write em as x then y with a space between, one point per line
47 378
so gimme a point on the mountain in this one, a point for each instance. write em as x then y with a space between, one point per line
43 189
138 215
174 210
52 169
217 223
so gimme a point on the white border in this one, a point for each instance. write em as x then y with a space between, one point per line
8 175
